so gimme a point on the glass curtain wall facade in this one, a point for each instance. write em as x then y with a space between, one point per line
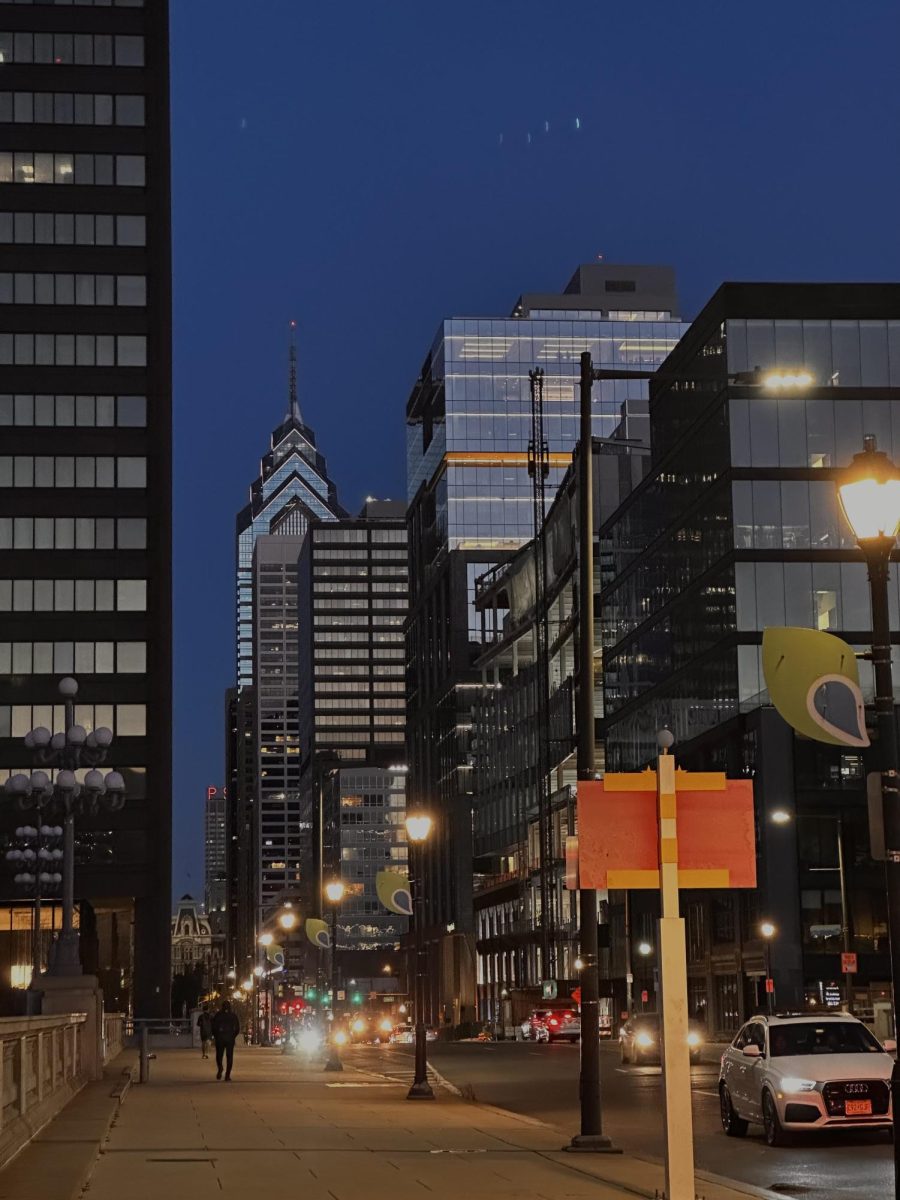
215 845
738 528
292 489
470 507
85 444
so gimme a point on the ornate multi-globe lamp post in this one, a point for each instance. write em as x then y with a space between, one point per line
65 754
334 892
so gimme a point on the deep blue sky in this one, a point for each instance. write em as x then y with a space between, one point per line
341 162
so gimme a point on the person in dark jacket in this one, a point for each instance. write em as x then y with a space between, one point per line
204 1028
225 1028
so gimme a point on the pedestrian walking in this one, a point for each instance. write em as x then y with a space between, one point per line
225 1028
205 1029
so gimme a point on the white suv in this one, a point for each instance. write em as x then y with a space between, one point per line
797 1072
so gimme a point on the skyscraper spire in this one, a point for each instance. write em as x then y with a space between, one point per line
293 405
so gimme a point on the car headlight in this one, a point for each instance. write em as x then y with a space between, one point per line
644 1039
791 1083
694 1039
385 1027
339 1038
359 1025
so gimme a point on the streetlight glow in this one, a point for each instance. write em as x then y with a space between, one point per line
335 891
780 816
767 929
645 948
579 964
257 971
418 827
869 490
266 939
287 920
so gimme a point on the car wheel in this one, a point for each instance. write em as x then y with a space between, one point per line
775 1135
733 1125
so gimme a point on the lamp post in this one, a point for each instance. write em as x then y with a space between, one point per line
869 491
768 931
418 829
67 753
335 893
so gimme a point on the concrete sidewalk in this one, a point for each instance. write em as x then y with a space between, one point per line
284 1127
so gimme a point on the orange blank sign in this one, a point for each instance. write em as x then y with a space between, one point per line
618 832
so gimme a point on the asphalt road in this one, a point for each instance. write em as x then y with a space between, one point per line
542 1082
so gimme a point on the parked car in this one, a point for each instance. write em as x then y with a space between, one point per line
559 1025
639 1039
799 1072
405 1034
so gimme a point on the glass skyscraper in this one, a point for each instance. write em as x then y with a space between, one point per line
470 506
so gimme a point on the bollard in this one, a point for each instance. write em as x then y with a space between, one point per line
145 1054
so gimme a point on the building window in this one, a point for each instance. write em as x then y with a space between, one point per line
103 170
78 49
73 533
71 350
104 411
70 108
26 287
66 471
72 229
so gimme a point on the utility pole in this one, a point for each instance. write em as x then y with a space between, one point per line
591 1136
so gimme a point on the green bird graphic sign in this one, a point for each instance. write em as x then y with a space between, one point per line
813 682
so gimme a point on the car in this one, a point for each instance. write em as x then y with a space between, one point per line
559 1025
796 1072
405 1034
639 1039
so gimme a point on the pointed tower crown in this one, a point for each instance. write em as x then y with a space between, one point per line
293 411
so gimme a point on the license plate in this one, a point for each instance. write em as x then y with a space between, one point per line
857 1108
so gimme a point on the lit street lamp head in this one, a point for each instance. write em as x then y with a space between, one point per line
767 929
645 948
418 827
266 939
870 494
287 921
335 891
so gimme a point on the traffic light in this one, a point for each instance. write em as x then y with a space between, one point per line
356 998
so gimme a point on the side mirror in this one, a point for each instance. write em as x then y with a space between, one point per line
751 1051
890 1044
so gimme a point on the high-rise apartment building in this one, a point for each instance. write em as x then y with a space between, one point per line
85 440
470 507
352 604
292 489
215 857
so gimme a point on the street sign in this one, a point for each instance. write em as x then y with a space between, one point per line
549 989
770 987
832 995
342 995
619 831
848 964
645 996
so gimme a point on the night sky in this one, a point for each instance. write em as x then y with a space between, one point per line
369 168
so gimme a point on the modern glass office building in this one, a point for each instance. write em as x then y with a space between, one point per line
470 506
737 528
352 604
85 443
292 489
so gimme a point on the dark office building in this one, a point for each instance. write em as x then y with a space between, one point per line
352 601
736 528
470 507
85 441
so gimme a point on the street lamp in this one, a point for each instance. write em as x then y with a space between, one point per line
768 931
335 893
68 752
266 939
287 921
869 491
418 827
645 948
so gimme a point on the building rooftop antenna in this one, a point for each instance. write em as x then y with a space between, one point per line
294 405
